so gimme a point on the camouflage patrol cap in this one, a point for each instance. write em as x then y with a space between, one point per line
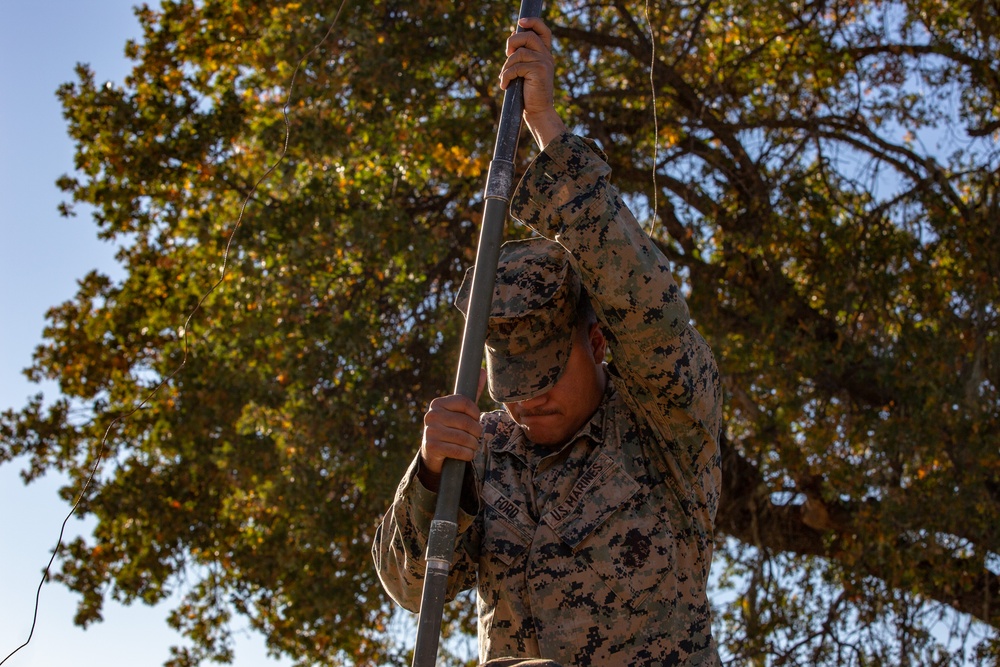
532 319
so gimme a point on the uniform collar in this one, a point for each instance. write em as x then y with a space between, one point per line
594 430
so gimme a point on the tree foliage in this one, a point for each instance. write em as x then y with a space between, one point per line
825 183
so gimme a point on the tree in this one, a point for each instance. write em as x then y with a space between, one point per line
823 174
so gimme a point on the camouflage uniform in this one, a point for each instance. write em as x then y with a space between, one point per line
596 552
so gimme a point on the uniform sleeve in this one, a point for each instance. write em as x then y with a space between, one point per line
667 371
400 544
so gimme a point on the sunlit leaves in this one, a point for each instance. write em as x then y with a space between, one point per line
827 189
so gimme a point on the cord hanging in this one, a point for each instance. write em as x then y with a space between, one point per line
184 331
656 124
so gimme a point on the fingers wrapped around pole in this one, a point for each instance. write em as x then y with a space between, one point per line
442 535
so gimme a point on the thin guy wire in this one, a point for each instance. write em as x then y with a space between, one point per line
184 330
656 122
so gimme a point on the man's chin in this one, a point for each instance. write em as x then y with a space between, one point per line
540 435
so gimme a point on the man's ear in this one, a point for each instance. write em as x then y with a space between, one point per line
598 343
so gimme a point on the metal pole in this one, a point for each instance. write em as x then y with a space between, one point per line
444 526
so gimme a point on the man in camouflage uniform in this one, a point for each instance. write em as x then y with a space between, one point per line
587 521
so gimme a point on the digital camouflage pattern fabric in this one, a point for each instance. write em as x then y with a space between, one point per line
532 315
598 551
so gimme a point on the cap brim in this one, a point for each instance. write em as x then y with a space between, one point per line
521 377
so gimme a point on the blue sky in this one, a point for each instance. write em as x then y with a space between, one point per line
41 257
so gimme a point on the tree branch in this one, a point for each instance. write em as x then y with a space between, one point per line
817 528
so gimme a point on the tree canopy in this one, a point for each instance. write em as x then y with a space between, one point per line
822 173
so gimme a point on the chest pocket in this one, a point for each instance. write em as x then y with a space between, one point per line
621 533
508 528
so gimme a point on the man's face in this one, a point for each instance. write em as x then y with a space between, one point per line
555 416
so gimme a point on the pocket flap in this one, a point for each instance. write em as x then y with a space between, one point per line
598 494
508 527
